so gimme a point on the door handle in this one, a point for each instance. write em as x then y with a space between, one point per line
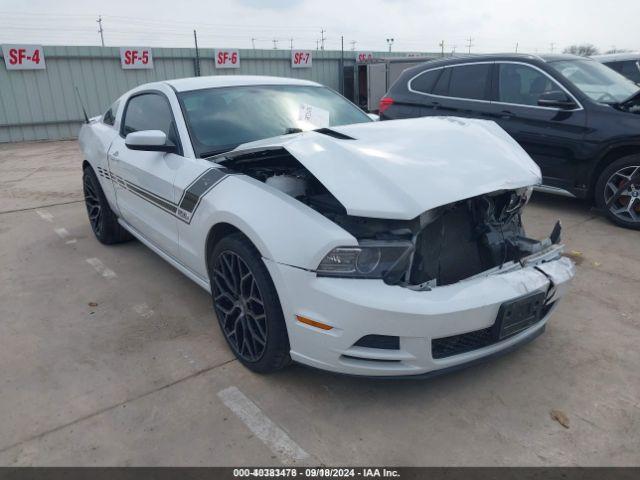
114 155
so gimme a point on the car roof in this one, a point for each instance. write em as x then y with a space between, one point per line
217 81
612 57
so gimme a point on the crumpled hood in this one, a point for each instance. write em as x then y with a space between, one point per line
399 169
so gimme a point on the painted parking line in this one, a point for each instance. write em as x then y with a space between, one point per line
262 427
43 214
97 264
64 234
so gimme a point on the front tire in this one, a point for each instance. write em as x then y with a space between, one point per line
104 222
247 305
618 192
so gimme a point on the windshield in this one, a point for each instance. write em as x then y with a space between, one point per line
220 119
597 81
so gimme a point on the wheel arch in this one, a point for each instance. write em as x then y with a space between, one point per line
612 154
221 230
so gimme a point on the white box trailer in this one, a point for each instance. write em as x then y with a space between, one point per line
365 83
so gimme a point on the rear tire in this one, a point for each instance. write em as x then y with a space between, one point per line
625 211
247 305
104 222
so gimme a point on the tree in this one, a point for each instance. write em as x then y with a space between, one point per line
584 50
618 50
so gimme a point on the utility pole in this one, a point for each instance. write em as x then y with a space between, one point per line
553 46
353 45
197 62
253 43
275 43
99 21
517 44
322 38
441 45
470 44
291 44
390 42
317 44
453 50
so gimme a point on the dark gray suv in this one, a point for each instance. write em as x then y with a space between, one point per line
579 120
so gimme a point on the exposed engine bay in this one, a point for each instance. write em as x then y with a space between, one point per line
450 243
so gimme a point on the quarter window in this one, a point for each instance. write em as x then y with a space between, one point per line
442 85
470 81
149 111
425 82
523 85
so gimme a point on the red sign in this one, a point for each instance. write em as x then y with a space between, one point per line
301 59
364 57
23 57
131 57
227 59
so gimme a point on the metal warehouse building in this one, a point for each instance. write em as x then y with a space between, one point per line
43 103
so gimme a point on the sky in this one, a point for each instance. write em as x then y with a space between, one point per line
415 26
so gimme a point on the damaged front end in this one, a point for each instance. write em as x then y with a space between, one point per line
442 246
455 242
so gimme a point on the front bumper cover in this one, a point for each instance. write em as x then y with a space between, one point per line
356 308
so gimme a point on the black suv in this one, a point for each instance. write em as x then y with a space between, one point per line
579 120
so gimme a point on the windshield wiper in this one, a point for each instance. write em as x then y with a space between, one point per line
292 130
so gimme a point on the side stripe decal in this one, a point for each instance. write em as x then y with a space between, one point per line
186 208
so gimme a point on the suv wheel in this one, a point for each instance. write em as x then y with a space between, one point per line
618 192
247 305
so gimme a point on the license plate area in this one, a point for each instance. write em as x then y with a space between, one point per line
519 314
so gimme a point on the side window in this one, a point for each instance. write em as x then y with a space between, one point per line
470 81
523 85
631 70
425 82
442 85
109 118
617 66
149 111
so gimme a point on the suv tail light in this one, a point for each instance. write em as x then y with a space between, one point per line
385 102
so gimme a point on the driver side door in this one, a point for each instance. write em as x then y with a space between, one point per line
553 137
143 180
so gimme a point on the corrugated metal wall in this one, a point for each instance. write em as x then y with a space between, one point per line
43 104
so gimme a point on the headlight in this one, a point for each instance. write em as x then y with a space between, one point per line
368 260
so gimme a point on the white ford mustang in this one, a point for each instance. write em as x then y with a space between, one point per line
368 248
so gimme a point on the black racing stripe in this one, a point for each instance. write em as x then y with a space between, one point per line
194 192
164 204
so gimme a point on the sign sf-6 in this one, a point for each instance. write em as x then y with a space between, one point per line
227 59
301 59
23 57
135 57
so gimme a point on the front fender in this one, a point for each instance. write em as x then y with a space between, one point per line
283 229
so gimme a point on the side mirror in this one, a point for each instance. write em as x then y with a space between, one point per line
149 140
556 99
374 117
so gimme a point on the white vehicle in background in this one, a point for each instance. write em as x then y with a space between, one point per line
361 247
626 64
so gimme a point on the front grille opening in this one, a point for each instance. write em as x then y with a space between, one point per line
383 342
458 344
